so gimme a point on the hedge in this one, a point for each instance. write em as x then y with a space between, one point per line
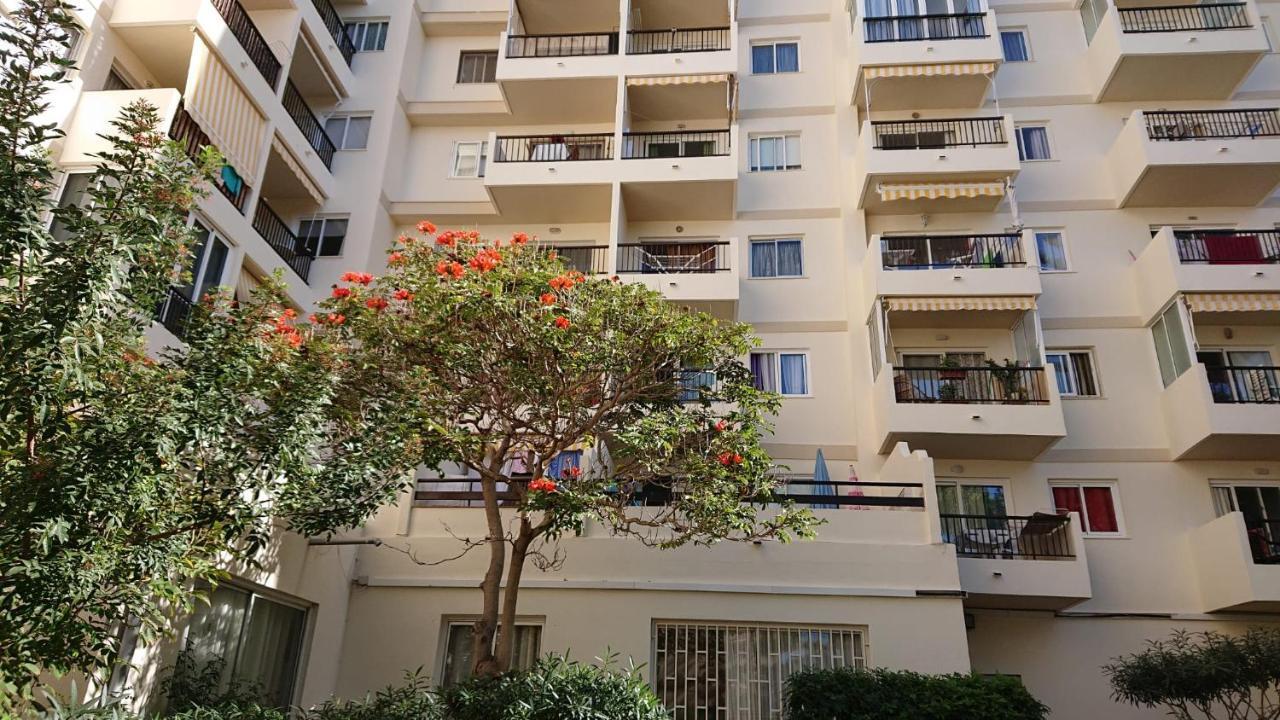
848 694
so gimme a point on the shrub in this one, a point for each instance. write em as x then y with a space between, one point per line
412 701
555 689
849 694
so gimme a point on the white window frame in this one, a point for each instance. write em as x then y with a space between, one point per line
340 144
76 49
753 152
1026 43
777 370
1048 138
324 220
481 166
449 622
774 239
462 55
1071 371
958 482
773 44
1113 486
364 24
1066 249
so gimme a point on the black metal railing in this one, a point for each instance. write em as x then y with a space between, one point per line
1264 541
250 39
920 252
287 245
586 259
1174 18
951 26
553 148
1004 537
570 45
1228 247
1244 385
674 257
193 139
848 494
938 134
971 385
677 40
337 29
308 123
175 312
1210 124
683 144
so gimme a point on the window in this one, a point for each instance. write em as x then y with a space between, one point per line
260 641
775 57
1097 502
1074 370
982 498
721 670
771 153
75 36
1260 506
116 80
469 159
75 193
1237 375
776 257
1172 351
368 36
786 373
478 67
1033 142
322 237
457 650
1015 46
208 263
1052 250
349 132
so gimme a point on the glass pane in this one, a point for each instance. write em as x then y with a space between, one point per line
770 153
762 59
214 268
357 133
1223 500
795 380
335 231
948 500
788 57
793 152
1249 500
1062 371
1014 45
764 259
1180 350
335 128
188 287
764 371
1164 356
269 651
1270 501
789 258
457 657
1101 510
215 629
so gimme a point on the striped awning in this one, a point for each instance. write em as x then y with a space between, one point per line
933 191
940 304
223 110
925 70
295 167
1233 302
677 80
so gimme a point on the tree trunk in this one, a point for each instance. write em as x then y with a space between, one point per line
484 663
507 628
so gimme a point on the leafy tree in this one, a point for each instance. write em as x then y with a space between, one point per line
124 478
501 360
881 694
1204 675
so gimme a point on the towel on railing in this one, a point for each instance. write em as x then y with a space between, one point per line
1233 249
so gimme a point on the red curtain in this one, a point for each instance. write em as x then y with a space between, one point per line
1067 499
1233 249
1102 512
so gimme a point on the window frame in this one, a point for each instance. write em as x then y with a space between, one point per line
449 622
777 370
76 49
1026 43
340 144
1113 488
364 24
1006 493
1162 319
773 44
1048 139
1093 369
774 240
323 219
1066 252
491 63
753 152
481 166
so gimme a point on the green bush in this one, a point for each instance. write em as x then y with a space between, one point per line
555 689
414 700
848 694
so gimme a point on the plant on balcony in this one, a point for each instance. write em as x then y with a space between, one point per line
950 368
1204 675
1010 377
503 361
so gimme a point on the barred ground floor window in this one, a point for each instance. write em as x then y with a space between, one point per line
731 671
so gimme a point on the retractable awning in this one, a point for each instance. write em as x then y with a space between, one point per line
939 304
932 191
928 70
224 111
1233 302
677 80
295 167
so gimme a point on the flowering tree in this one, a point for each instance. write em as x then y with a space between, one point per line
502 359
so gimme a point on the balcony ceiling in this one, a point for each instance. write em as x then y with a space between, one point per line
1192 76
1226 185
667 14
577 100
949 319
679 102
679 201
553 204
165 50
554 17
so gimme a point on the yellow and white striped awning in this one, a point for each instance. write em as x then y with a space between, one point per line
677 80
296 168
941 304
926 70
224 111
1233 302
933 191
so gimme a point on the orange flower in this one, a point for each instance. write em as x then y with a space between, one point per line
547 299
403 295
448 238
377 303
486 260
405 240
560 282
725 458
426 227
721 426
337 318
520 238
313 319
471 236
395 258
341 292
445 269
542 485
290 313
295 340
572 472
562 322
356 277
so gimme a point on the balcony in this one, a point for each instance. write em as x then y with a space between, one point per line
1173 52
1205 158
336 29
283 240
693 271
175 312
1206 261
935 166
944 265
679 175
301 114
580 70
1032 562
560 178
187 132
1236 564
921 62
586 259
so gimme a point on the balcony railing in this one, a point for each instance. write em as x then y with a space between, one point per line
175 312
1175 18
938 134
685 144
553 148
1212 124
287 245
586 259
665 258
572 45
952 251
680 40
987 385
1264 541
999 537
1244 385
250 39
309 124
187 132
1228 247
955 26
337 29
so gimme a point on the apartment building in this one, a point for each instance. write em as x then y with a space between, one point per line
1015 269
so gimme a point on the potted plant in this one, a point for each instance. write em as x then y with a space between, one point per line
949 369
949 392
1010 378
